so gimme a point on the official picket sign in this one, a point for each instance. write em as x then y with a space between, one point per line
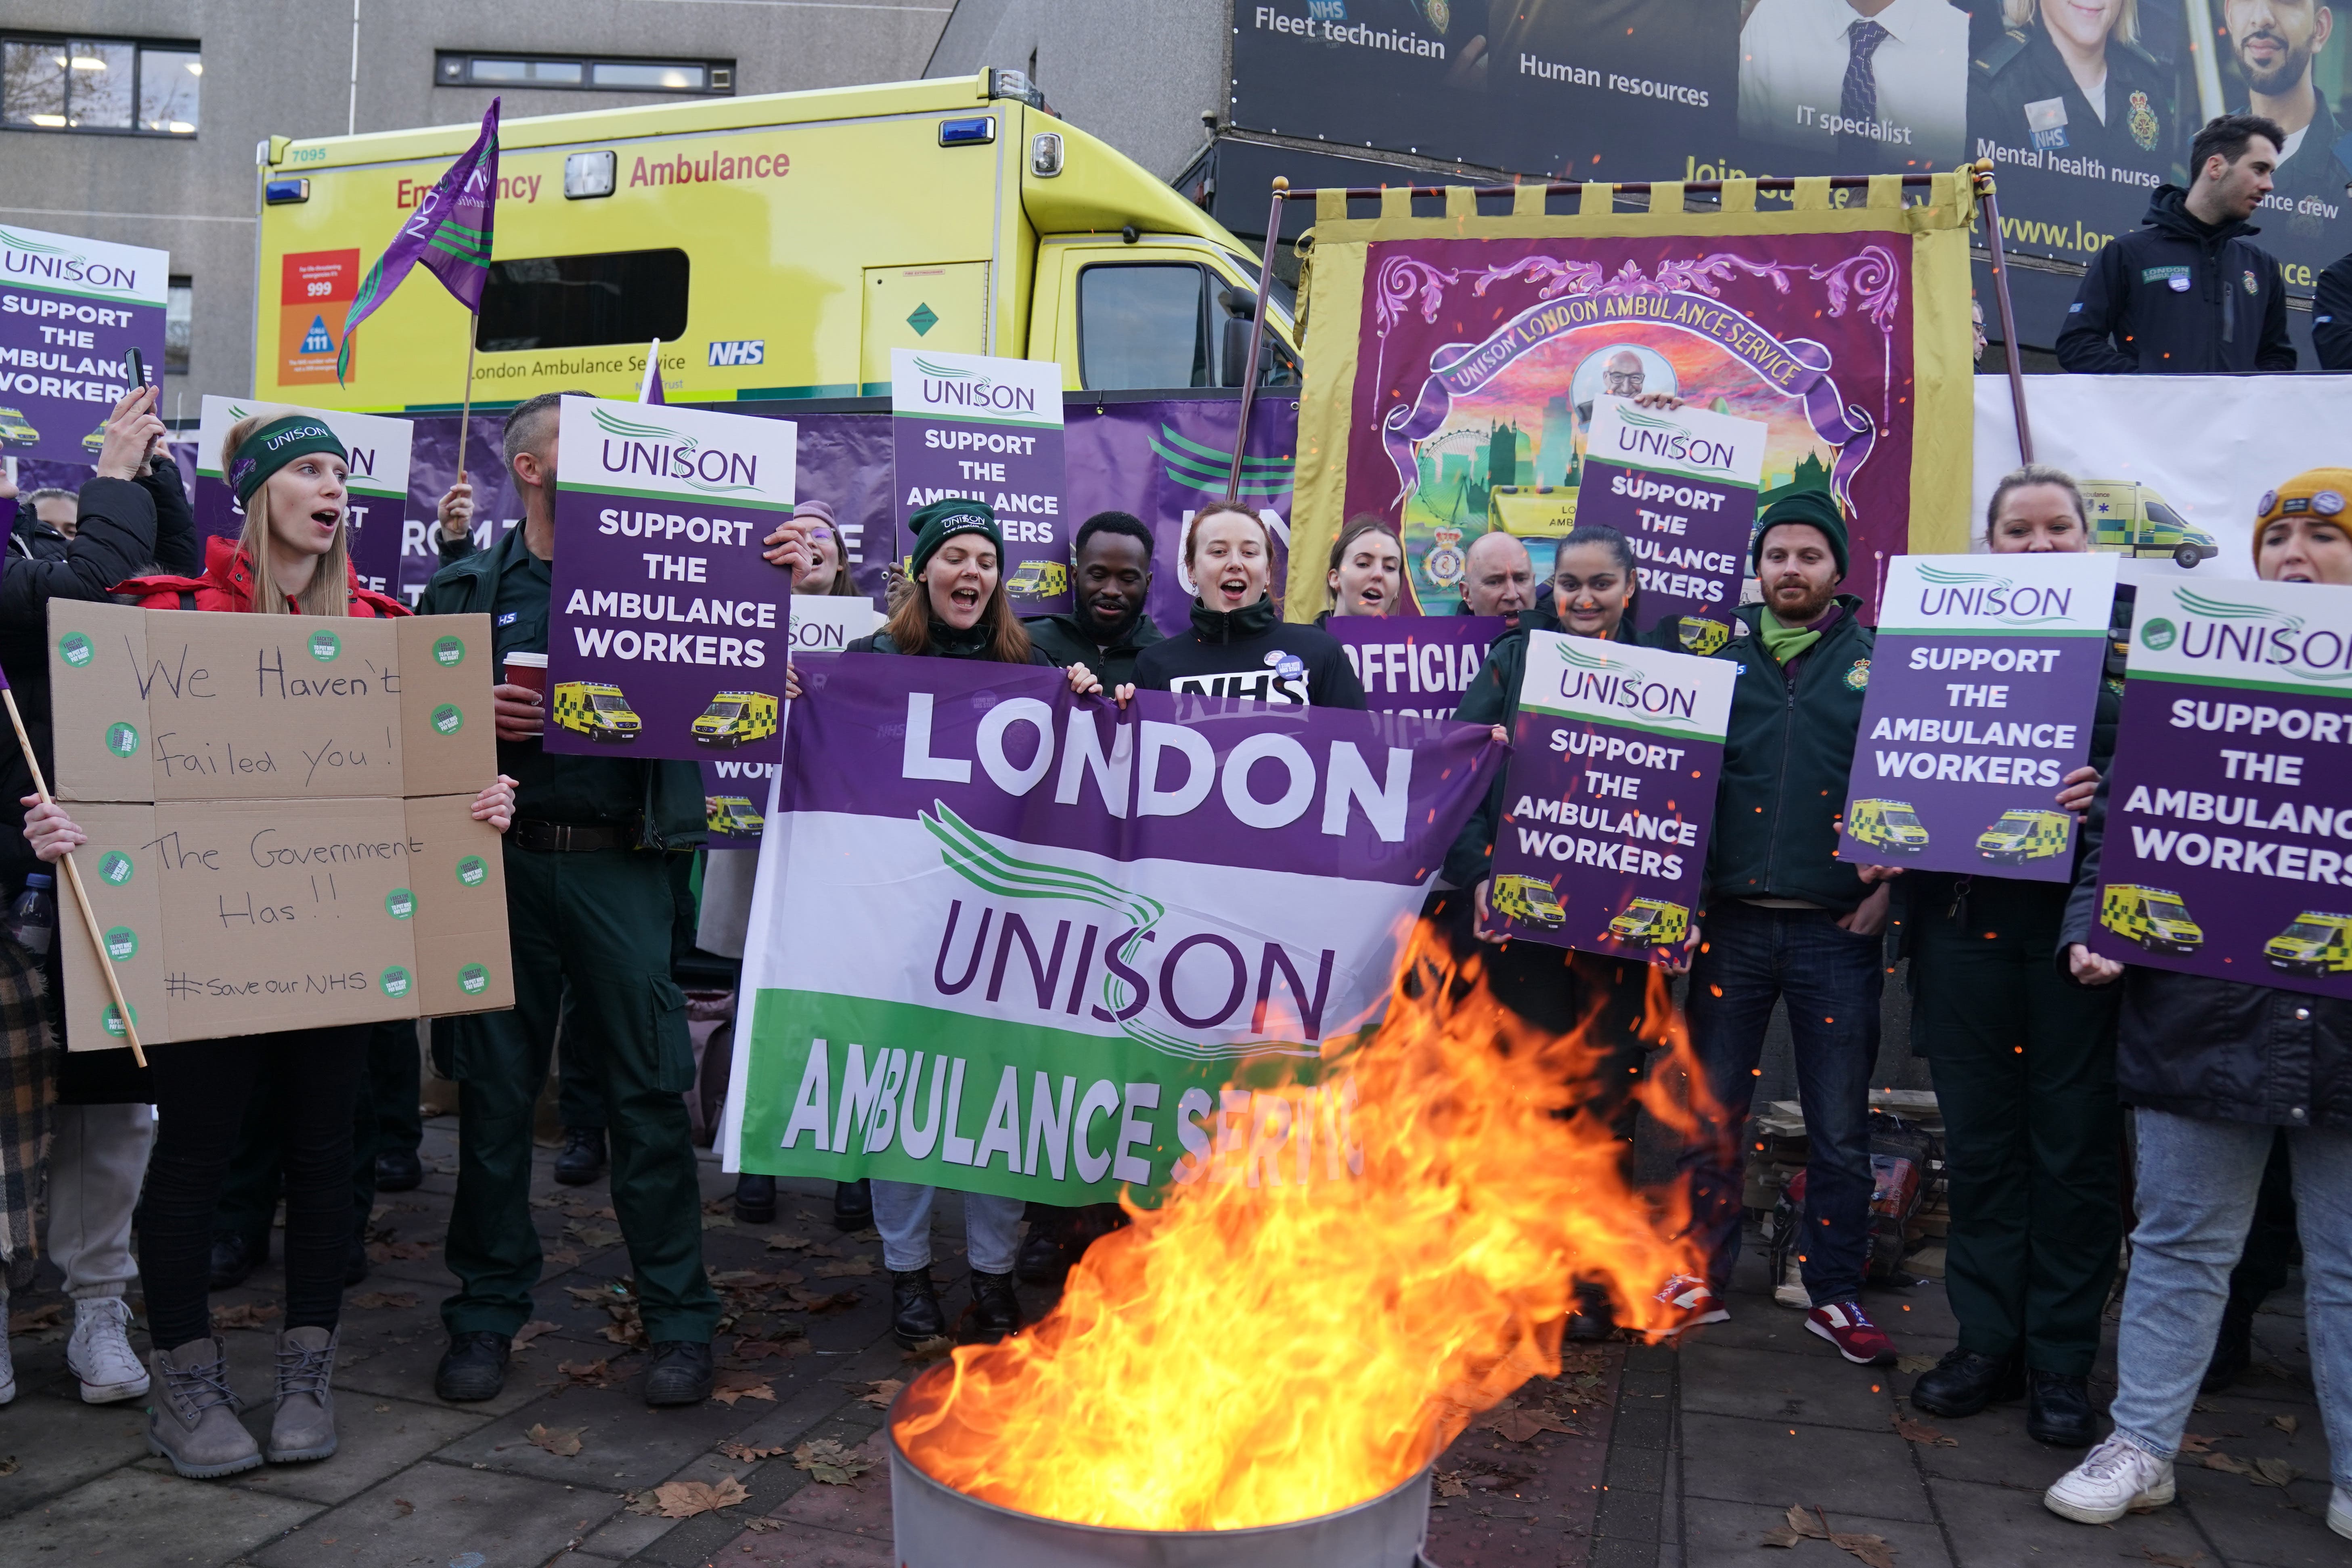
71 312
1680 485
378 482
1020 941
1982 689
2228 848
735 794
1609 795
1415 664
667 630
988 430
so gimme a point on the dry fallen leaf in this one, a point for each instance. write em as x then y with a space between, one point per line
561 1441
1872 1550
8 1466
2274 1473
822 1302
404 1506
928 1350
593 1234
821 1249
744 1453
562 1257
2195 1443
1449 1484
1782 1537
2168 1559
531 1330
735 1385
1805 1524
785 1241
2228 1464
1520 1426
1914 1362
829 1462
2286 1423
589 1373
38 1318
844 1267
684 1499
1912 1431
583 1211
391 1251
374 1299
245 1315
719 1222
883 1392
749 1348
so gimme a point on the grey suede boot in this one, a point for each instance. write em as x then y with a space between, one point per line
304 1426
193 1422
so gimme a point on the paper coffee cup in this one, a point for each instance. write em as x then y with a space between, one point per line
528 669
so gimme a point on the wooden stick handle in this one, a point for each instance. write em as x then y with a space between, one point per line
81 894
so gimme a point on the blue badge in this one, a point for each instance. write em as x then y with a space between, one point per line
509 617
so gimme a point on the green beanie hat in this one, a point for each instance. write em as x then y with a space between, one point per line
1814 508
942 520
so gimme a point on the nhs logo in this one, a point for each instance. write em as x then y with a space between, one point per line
748 351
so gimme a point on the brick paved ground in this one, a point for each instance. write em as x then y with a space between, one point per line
1671 1458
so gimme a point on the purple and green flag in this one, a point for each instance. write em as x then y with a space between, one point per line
449 232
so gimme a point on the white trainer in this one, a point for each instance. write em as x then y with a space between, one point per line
100 1352
2339 1512
1790 1291
2115 1478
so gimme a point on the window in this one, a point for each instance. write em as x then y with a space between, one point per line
581 302
179 322
457 68
100 85
1152 324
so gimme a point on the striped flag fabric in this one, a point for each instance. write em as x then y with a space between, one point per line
449 233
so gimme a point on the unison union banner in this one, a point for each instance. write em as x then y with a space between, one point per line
1010 941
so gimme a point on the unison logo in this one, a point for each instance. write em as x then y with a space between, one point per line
33 261
634 448
1645 434
1944 591
2223 631
948 386
1600 682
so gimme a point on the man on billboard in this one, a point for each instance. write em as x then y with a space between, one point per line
2069 79
1875 84
2275 42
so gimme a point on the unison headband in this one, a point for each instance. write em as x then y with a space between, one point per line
273 446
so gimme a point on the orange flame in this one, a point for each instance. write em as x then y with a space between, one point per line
1265 1347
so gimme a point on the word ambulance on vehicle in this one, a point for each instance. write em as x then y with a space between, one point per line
778 246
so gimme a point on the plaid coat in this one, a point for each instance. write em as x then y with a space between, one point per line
28 1074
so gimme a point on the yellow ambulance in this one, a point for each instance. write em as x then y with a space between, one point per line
1038 580
734 718
598 710
2131 519
780 246
2153 917
2024 835
1887 824
732 815
1528 900
2316 943
1532 511
1652 920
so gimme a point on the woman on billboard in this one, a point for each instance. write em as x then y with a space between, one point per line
2068 82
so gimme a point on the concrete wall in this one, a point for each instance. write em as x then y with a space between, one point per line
284 67
1138 76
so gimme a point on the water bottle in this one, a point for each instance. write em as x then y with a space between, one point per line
33 918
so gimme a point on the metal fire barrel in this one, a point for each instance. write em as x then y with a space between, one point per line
935 1526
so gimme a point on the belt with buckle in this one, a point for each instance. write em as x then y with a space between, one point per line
560 838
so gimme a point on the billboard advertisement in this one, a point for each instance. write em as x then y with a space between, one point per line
2085 108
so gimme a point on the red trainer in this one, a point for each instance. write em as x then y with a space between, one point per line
1695 1301
1857 1339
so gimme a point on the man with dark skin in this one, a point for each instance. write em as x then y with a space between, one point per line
1111 569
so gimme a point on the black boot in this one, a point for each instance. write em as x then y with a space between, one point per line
755 1199
474 1367
995 1311
1964 1383
398 1171
583 1159
915 1314
355 1261
680 1373
853 1205
2058 1410
234 1257
1592 1317
1044 1255
2233 1351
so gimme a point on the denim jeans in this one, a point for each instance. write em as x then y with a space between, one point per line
1753 957
2196 1191
902 1213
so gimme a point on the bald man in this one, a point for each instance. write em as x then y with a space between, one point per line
1498 578
1621 377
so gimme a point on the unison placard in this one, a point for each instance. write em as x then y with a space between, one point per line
988 430
71 312
1681 486
1982 689
378 449
1611 792
2228 831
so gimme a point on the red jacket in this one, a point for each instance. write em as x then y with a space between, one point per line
227 585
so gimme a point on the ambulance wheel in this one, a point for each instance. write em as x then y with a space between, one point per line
2186 557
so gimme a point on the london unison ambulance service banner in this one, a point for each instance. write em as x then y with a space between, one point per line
1680 485
1982 689
2228 848
667 630
379 447
1602 842
988 430
71 312
1455 364
1015 942
1415 664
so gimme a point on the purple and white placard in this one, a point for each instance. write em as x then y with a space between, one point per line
71 312
1415 664
988 430
1680 485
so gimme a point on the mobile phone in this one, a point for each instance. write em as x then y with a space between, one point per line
137 367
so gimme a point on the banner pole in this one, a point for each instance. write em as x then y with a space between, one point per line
1983 172
1257 334
466 408
73 880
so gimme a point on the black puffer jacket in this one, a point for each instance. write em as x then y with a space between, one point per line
2177 297
2221 1049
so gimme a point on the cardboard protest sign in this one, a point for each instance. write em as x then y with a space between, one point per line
1982 689
735 794
279 812
987 430
1611 792
1680 485
666 628
2230 803
71 310
1415 664
1021 942
378 482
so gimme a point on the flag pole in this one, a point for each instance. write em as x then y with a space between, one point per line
73 880
466 408
652 378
